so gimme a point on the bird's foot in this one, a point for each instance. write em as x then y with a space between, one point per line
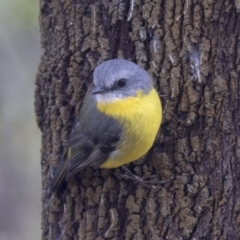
149 182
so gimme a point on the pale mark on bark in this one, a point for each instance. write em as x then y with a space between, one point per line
186 8
131 10
94 19
154 64
171 58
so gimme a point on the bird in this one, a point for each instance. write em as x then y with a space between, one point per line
118 121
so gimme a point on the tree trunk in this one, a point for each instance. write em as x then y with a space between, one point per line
191 48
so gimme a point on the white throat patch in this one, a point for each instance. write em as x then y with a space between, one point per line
108 97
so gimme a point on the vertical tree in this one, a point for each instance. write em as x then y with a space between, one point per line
191 48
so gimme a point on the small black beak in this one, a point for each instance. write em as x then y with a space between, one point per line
97 90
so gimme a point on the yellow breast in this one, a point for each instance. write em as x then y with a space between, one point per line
140 118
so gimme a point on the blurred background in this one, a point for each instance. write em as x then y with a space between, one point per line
20 180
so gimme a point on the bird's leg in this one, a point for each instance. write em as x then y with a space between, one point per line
147 183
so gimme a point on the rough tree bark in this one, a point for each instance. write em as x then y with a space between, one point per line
192 50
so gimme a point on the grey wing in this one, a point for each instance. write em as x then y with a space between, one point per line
80 151
89 153
93 138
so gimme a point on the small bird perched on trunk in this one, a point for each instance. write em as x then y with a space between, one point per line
118 121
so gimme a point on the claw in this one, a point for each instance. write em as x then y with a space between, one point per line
146 183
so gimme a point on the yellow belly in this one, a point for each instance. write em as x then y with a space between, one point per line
140 118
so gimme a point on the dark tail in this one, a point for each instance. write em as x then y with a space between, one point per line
59 175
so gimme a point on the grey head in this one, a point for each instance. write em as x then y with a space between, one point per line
120 78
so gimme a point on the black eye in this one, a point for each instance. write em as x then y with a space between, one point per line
121 82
